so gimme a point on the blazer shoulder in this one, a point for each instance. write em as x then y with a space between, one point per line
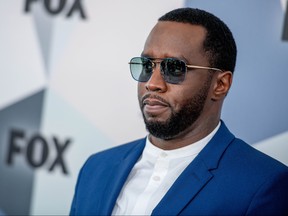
116 153
256 159
269 178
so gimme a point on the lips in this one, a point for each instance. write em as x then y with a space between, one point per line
154 105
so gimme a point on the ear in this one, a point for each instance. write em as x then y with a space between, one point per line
222 85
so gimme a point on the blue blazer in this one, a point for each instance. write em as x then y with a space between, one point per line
228 177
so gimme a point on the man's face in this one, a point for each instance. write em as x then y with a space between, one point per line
170 110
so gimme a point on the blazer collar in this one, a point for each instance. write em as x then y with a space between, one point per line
196 175
118 175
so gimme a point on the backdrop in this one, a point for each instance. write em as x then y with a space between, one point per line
66 91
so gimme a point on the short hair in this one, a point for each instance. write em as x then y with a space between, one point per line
219 43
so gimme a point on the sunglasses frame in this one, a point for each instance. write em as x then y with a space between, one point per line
154 62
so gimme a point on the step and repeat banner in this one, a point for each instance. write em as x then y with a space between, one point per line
66 90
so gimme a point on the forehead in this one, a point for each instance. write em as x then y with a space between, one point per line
174 39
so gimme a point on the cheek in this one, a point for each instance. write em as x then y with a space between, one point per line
180 98
184 95
140 90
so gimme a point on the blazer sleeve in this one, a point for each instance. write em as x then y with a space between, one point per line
74 200
74 204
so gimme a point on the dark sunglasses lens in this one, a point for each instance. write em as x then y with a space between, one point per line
174 70
141 69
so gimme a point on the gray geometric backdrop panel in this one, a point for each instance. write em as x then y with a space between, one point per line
18 122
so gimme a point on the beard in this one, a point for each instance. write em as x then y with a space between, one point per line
179 121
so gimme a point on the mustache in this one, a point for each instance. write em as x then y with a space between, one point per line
154 96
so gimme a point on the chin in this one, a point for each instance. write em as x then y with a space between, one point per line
156 119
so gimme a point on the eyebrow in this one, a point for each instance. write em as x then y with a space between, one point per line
144 55
182 58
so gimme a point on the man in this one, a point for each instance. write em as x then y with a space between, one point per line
189 164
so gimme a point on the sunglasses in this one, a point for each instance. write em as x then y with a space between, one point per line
172 70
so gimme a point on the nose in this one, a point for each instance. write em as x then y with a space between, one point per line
156 81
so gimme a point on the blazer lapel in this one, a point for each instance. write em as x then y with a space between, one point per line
190 182
118 175
196 175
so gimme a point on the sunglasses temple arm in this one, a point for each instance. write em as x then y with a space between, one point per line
202 67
